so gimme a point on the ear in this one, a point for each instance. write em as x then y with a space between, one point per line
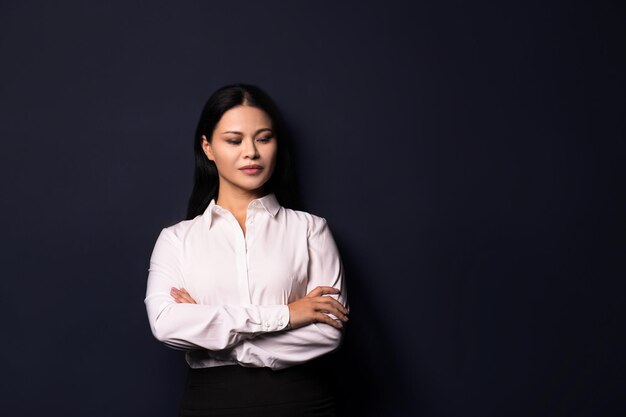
206 147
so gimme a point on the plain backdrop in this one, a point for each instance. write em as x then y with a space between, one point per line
468 156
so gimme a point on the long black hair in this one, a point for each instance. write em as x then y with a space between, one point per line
206 180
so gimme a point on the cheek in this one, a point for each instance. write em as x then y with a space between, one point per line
272 155
223 156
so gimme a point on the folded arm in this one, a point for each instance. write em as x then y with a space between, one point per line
308 338
199 326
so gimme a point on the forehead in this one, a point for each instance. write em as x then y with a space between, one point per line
244 118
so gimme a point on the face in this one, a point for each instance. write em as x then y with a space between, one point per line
243 148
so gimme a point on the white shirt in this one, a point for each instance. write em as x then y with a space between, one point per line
242 285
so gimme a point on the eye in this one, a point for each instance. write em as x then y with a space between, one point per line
233 141
265 139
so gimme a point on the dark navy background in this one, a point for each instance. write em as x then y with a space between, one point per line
469 157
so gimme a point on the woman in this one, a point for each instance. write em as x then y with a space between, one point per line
250 288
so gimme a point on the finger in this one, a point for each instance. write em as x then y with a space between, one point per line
321 290
181 296
323 318
176 296
331 301
188 299
335 312
186 295
334 308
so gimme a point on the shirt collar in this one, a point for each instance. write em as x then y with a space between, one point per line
269 203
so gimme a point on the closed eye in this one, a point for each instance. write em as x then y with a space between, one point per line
265 139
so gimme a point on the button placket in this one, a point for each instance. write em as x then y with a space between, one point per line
249 238
242 261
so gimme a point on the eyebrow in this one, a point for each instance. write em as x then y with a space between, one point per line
255 133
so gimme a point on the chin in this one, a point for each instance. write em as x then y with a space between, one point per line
254 188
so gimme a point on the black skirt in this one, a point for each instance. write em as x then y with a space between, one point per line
233 390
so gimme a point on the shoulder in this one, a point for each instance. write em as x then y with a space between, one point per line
181 230
314 224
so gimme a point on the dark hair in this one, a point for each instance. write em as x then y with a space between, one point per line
206 180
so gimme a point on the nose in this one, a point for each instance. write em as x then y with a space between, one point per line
249 149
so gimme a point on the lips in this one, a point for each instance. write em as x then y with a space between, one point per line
251 169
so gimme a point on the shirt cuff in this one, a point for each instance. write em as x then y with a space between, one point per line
274 318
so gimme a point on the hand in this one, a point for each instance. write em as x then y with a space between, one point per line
181 296
315 307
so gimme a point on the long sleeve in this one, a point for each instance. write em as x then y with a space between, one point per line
199 326
283 349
